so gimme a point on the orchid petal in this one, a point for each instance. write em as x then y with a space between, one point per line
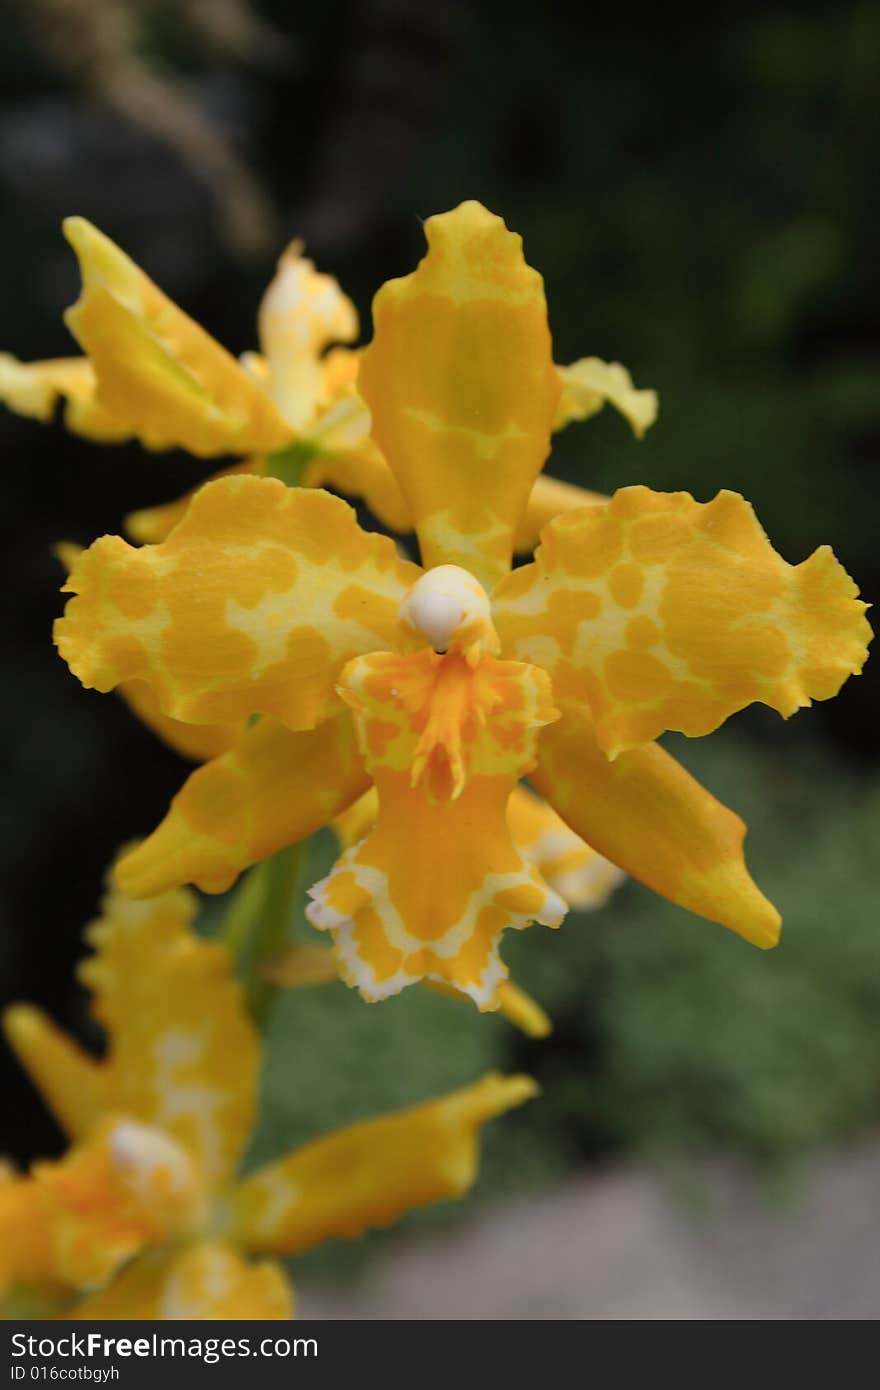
270 790
253 604
158 373
371 1173
72 1083
658 612
462 389
589 383
649 816
34 389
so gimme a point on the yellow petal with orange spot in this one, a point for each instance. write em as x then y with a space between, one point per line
582 877
658 612
369 1174
589 383
253 604
549 498
157 371
196 741
72 1083
151 525
205 1280
430 890
35 388
649 816
303 312
272 789
462 389
182 1055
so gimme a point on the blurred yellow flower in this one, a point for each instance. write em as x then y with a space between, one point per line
151 373
442 686
144 1217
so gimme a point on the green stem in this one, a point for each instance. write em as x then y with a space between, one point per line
290 464
244 909
258 919
280 889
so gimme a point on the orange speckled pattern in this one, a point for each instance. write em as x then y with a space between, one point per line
649 816
438 879
462 388
658 612
253 604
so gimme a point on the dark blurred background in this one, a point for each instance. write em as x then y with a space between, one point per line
700 193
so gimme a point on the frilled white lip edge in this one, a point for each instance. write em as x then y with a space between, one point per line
359 973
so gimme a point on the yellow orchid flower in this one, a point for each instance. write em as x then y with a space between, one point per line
443 685
144 1217
150 372
583 878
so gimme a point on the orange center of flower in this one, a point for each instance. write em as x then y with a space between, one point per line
429 715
